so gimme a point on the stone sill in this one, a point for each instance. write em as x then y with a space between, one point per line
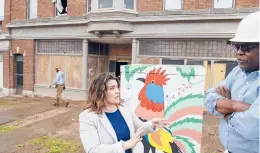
4 35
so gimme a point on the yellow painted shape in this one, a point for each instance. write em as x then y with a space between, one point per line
165 139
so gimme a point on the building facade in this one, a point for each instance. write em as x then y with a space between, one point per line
87 37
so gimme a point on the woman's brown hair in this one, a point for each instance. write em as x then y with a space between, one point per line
96 92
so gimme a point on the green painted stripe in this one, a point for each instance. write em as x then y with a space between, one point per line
184 121
194 126
188 144
184 99
183 104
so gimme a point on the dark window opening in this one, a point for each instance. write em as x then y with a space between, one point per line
98 49
61 7
172 62
114 67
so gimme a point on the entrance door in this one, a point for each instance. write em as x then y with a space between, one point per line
118 64
19 74
114 67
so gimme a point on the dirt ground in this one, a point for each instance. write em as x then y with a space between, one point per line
55 130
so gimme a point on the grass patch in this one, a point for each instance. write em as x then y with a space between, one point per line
55 145
61 146
5 128
20 145
39 141
3 102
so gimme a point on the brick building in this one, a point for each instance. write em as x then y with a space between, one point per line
86 37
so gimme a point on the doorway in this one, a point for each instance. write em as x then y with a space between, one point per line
114 67
19 73
118 65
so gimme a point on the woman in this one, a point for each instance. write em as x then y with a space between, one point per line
107 125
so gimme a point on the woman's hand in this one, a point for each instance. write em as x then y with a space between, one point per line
134 140
160 123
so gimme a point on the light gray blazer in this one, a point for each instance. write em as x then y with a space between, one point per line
98 136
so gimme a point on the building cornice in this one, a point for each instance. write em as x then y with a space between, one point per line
130 36
132 17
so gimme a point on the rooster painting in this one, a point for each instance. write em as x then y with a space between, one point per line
151 99
175 93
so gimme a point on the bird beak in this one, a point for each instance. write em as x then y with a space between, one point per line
141 79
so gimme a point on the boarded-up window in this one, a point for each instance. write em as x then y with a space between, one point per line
70 65
59 46
32 8
172 4
186 48
223 3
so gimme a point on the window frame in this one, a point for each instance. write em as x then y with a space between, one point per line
127 9
110 8
172 9
233 5
28 10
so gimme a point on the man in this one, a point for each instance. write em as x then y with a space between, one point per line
236 98
59 83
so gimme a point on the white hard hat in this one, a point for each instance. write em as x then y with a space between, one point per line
248 29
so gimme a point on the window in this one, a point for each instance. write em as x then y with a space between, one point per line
105 4
32 9
172 4
1 57
129 4
182 48
89 5
172 62
195 62
223 3
0 26
98 49
60 7
59 47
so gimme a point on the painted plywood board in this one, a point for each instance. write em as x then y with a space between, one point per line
74 71
43 70
175 93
